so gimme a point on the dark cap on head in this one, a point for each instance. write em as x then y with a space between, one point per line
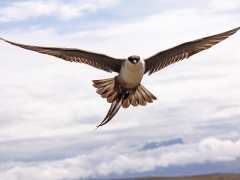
134 59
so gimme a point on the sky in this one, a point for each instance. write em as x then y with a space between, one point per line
49 108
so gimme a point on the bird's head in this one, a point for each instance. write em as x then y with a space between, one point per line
133 59
134 63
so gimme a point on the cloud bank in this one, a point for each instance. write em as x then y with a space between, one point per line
19 11
122 158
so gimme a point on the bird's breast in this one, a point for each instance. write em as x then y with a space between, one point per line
131 75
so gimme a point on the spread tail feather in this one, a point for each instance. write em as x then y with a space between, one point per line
108 88
138 96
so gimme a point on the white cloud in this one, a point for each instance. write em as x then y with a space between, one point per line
19 11
121 158
222 5
44 98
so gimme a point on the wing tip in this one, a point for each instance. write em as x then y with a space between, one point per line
3 39
8 41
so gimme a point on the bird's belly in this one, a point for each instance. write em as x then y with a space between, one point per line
130 79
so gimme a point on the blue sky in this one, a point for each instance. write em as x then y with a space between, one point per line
49 108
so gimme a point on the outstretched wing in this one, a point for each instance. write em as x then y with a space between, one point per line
182 51
96 60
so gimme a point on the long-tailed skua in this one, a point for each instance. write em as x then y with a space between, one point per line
126 89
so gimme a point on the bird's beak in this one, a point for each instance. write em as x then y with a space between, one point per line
134 61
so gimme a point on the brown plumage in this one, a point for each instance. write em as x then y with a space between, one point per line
185 50
99 61
126 88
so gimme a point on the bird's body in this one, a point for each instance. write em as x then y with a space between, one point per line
130 74
126 89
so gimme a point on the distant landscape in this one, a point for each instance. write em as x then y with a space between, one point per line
218 176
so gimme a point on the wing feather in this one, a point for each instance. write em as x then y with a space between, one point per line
99 61
182 51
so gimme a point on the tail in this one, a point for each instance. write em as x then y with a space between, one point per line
115 106
138 96
107 88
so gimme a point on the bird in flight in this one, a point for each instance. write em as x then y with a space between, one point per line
126 89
